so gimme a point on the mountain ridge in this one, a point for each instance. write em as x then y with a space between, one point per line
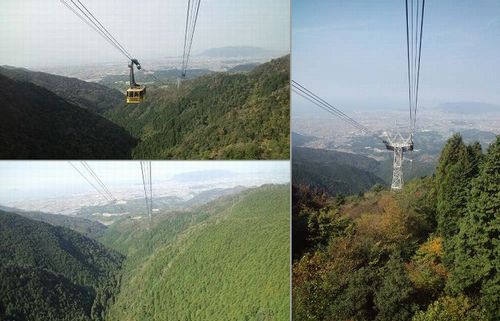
38 124
219 245
53 273
88 95
334 172
216 116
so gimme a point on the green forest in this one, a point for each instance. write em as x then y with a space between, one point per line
428 253
217 115
53 273
230 261
36 123
228 257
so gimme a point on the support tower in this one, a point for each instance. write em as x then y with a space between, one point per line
398 145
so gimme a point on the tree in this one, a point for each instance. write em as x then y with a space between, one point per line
451 309
426 271
419 200
451 185
452 188
477 246
475 153
394 298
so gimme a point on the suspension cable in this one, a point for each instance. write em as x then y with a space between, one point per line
186 33
408 57
99 181
191 19
150 195
419 59
148 188
88 181
104 28
89 24
312 100
93 22
414 31
318 101
296 86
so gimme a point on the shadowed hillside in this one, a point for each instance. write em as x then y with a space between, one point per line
334 172
52 273
88 95
89 228
37 124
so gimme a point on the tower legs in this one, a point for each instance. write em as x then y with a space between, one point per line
397 169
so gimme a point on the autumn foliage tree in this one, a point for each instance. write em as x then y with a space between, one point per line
428 253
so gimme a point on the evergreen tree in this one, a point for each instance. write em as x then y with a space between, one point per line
394 298
475 153
477 246
453 175
451 185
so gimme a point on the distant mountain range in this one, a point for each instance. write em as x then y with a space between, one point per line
238 51
469 107
200 176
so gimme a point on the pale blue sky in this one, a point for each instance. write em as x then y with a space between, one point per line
45 32
39 179
353 52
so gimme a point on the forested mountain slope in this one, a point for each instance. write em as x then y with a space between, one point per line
334 172
89 228
37 124
427 253
53 273
88 95
230 261
219 115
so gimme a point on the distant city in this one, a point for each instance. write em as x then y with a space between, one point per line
216 59
434 126
178 193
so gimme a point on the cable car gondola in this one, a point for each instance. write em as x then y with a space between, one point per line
135 93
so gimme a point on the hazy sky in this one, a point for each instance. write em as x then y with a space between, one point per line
353 52
44 32
40 179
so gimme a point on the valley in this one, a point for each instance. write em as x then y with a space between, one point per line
210 251
241 113
313 138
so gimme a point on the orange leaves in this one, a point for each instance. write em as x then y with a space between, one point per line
433 248
426 271
387 229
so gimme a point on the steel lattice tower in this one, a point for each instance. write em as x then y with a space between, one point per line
399 146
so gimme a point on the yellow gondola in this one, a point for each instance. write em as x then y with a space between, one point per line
135 93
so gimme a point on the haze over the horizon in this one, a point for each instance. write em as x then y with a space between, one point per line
353 53
45 33
22 180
